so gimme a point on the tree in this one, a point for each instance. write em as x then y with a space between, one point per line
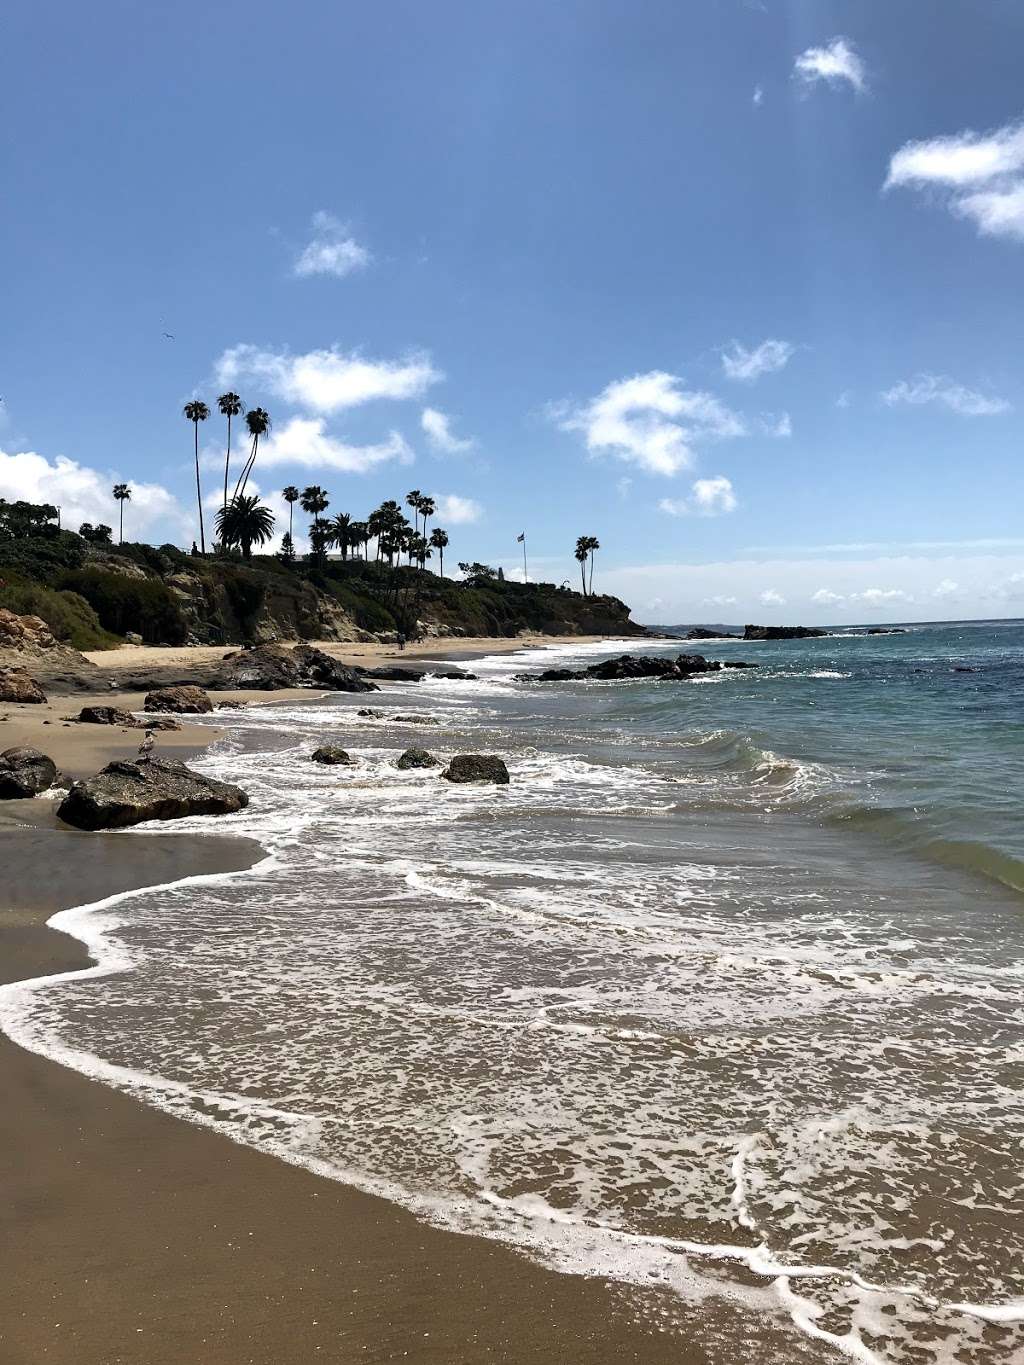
481 573
291 497
359 534
287 548
314 501
122 494
258 422
592 544
439 540
580 554
196 412
413 499
339 533
419 549
231 406
245 522
96 535
427 509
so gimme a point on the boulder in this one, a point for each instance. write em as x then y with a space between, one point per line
415 720
16 685
107 715
268 668
782 633
132 637
476 768
394 674
549 675
331 755
127 793
319 669
629 667
191 701
417 758
25 772
160 723
371 713
457 675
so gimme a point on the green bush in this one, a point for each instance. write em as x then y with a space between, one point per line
246 593
123 604
43 559
70 617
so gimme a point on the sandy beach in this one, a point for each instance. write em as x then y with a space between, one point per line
131 1236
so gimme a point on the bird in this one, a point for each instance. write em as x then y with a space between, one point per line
169 336
147 745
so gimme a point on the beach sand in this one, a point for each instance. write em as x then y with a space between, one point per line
131 1236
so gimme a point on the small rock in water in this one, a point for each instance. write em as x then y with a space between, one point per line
456 675
332 755
370 713
476 768
417 758
25 772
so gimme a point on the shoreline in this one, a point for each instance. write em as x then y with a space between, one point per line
141 1237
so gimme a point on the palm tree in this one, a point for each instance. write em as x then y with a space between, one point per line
245 522
439 540
427 509
314 501
123 494
419 549
580 555
231 406
413 500
339 533
359 534
196 412
258 422
291 496
592 544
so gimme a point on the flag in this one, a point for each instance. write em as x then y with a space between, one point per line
520 539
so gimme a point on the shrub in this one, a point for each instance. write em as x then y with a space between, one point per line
70 617
43 559
123 604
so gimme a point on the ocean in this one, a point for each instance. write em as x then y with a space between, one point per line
722 996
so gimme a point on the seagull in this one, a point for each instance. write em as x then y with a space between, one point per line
169 335
147 745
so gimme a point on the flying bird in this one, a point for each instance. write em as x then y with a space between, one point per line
169 335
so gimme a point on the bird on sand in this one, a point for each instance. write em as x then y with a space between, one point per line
148 744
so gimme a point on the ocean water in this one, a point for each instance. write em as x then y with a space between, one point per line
722 997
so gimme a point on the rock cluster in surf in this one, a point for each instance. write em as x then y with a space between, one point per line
628 667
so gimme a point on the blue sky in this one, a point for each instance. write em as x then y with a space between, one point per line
733 286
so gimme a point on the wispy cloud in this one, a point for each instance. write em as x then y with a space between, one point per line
438 429
757 98
456 510
747 365
771 598
982 175
837 63
327 381
331 251
303 441
947 393
84 494
708 498
779 425
651 421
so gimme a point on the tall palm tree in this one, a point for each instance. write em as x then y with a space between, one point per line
123 494
419 549
427 509
314 501
439 540
413 499
580 554
196 412
592 544
231 406
258 422
291 497
245 522
339 532
359 534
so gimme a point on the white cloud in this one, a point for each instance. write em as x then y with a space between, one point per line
649 420
438 429
623 486
878 597
771 598
758 96
303 441
327 381
947 588
332 251
988 165
709 498
825 597
834 64
779 425
844 399
936 388
455 510
720 600
747 365
84 494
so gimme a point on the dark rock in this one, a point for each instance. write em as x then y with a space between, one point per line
160 723
371 713
25 772
146 789
268 668
965 668
549 675
394 674
317 668
476 768
191 701
417 758
886 630
332 755
17 685
700 633
738 663
107 715
415 720
782 633
627 667
456 675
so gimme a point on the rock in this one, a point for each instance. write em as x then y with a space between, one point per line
25 772
331 755
738 663
628 667
159 723
107 715
268 668
702 633
231 706
476 768
457 675
782 633
416 720
191 701
146 789
886 630
16 685
320 669
417 758
131 637
394 674
549 675
371 713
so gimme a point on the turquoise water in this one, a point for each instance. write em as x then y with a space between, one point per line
722 997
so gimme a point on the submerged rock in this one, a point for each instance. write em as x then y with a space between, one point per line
332 755
127 793
417 758
17 685
476 768
371 713
189 700
25 772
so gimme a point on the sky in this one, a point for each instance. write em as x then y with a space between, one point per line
733 286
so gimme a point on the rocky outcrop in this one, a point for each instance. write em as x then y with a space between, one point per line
18 686
782 633
701 633
146 789
25 772
318 669
107 715
269 668
27 641
476 768
417 758
393 674
630 667
332 756
456 675
189 700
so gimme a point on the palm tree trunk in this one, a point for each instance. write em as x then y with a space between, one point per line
583 575
440 552
120 525
591 573
227 465
199 496
291 513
